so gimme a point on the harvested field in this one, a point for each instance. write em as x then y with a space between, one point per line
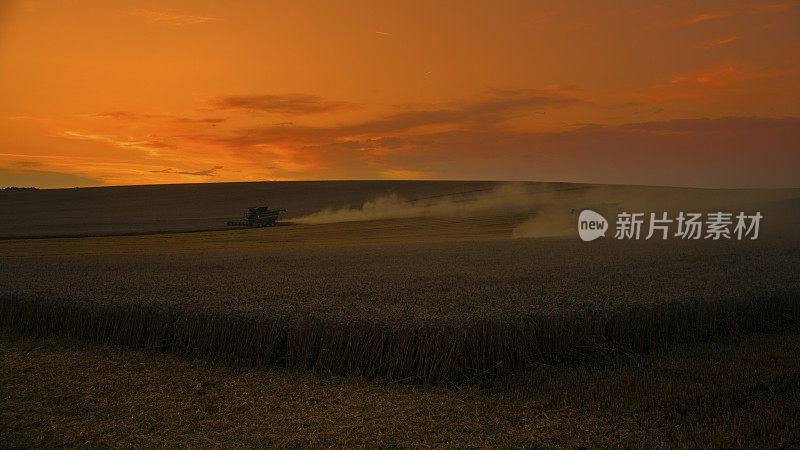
145 210
190 207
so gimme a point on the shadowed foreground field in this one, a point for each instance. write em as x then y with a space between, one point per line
742 392
458 333
430 312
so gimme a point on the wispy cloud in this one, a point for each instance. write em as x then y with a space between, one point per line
149 146
139 117
725 77
172 17
710 16
772 8
721 41
705 82
280 104
504 105
201 173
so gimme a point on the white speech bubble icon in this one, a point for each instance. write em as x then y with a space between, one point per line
591 225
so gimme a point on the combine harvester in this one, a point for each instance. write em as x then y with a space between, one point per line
256 217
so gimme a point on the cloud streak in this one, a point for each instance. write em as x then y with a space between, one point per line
706 82
709 16
503 106
721 41
149 146
290 104
172 18
200 173
139 117
773 8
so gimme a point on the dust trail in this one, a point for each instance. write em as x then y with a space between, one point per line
557 216
548 221
506 198
552 210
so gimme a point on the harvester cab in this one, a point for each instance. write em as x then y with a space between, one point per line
259 216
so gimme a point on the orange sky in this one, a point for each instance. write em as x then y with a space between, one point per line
678 93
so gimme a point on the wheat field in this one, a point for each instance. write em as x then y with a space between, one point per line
424 294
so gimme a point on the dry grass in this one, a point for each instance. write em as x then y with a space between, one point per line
725 394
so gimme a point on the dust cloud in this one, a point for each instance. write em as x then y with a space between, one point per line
557 216
509 198
536 210
548 221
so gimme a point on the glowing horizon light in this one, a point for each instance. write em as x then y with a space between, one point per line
657 94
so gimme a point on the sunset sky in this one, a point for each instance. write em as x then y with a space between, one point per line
663 93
